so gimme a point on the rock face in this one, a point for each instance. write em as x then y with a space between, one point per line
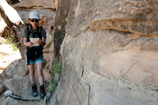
60 23
10 101
1 88
17 69
45 7
109 53
56 3
21 88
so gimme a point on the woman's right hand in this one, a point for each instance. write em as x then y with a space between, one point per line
27 43
30 44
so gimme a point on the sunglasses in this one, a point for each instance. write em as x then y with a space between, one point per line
34 20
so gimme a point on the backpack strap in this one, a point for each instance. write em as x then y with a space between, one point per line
28 32
40 32
28 39
40 29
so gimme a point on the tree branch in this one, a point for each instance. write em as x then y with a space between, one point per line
6 19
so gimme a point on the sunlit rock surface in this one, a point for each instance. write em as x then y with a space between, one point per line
10 101
56 3
109 53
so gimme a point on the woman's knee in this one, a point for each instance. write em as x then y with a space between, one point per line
40 73
31 70
39 69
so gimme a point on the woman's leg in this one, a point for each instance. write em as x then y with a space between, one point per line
40 73
41 80
32 73
32 79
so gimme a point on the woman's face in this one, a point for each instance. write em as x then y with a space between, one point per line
34 22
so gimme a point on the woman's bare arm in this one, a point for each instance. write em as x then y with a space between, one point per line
26 43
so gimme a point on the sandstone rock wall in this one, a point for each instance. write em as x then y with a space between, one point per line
46 10
109 53
44 7
60 23
56 3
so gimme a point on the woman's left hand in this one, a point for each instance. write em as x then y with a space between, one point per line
39 41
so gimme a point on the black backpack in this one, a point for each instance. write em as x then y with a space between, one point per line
33 53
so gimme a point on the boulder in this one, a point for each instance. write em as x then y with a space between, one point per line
10 101
19 86
17 69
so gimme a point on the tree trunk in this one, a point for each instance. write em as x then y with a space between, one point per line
11 30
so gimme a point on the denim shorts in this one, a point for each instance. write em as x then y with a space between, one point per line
39 60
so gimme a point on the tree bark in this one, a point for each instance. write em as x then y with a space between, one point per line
10 30
6 19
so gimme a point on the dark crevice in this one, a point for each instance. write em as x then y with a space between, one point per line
82 81
13 1
60 20
34 7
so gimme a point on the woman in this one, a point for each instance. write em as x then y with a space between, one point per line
34 39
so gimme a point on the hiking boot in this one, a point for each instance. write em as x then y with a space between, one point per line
34 90
42 91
